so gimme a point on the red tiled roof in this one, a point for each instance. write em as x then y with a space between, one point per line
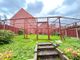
22 14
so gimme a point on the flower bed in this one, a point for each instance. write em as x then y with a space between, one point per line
72 54
7 55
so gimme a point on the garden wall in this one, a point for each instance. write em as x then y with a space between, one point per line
7 27
71 32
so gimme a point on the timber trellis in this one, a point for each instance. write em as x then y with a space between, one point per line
65 26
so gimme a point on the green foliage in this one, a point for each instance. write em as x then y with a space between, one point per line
56 33
76 58
71 45
23 49
20 32
6 36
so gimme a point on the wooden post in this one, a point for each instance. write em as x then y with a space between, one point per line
14 26
4 25
48 28
24 28
4 21
37 30
60 28
65 31
76 31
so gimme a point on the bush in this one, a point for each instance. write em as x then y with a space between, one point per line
20 32
57 33
6 36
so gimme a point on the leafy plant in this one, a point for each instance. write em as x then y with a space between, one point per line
7 55
23 49
20 32
6 36
57 33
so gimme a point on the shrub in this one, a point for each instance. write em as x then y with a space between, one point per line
20 32
6 36
57 33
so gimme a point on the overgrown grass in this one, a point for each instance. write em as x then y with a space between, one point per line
71 47
70 42
23 49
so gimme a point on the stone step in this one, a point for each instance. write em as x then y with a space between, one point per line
49 58
47 52
45 47
44 44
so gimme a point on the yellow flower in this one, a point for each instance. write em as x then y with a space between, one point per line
1 54
74 53
78 50
69 50
8 54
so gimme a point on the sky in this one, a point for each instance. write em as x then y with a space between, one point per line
40 8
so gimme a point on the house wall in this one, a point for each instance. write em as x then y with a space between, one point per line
21 20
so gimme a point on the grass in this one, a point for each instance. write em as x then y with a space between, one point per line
72 45
23 49
70 42
33 36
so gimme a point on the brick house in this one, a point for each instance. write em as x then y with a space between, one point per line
24 20
44 28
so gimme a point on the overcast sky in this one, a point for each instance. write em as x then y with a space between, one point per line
41 7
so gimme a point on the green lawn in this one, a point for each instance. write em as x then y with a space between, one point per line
33 36
23 49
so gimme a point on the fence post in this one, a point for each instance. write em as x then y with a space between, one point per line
37 30
76 31
60 27
65 31
48 28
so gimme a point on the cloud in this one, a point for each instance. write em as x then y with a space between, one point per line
8 7
45 6
30 1
49 5
35 8
11 4
1 14
67 8
69 2
41 7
